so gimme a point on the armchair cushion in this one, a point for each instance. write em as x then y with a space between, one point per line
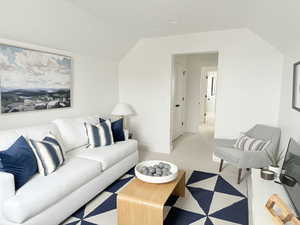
229 154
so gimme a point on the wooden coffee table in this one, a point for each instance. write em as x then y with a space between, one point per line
141 203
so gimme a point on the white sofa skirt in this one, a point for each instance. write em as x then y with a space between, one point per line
60 211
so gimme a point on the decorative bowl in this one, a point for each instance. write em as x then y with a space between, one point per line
152 179
267 174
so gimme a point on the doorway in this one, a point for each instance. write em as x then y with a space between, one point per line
209 80
180 76
194 88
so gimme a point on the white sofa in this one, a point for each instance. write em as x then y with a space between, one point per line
50 200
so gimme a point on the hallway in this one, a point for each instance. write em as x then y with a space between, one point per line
191 151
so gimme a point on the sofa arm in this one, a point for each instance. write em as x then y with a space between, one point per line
7 187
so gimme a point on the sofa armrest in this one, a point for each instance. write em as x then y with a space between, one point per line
7 187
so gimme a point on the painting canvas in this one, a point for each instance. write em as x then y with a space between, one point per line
296 87
34 80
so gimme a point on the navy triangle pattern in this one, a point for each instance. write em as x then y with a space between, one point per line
131 172
172 200
224 187
236 213
87 223
203 197
178 216
198 176
79 213
114 187
107 205
208 222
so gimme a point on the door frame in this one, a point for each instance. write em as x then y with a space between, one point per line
173 96
171 80
204 72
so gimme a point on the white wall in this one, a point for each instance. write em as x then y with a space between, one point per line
289 119
95 91
194 110
248 83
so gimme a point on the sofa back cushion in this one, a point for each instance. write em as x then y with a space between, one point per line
73 131
7 138
38 132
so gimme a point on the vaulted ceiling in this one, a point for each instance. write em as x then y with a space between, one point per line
109 29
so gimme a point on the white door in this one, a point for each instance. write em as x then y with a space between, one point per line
210 97
179 100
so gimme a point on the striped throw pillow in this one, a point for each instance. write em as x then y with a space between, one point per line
54 140
100 134
48 153
247 143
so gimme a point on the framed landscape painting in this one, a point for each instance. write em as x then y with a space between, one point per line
34 80
296 87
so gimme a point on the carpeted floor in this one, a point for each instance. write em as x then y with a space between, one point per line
211 199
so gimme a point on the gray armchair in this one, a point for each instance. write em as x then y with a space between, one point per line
225 150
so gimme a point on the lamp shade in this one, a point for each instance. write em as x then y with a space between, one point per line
122 109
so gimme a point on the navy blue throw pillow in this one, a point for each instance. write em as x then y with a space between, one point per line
20 161
117 129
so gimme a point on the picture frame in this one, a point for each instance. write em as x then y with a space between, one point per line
296 87
34 80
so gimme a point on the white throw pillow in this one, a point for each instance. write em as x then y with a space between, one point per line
99 134
247 143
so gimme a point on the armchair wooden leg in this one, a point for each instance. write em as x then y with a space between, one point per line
221 165
239 176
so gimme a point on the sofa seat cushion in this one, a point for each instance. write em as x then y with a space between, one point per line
107 155
42 192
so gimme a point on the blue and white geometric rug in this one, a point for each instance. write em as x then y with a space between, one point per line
210 200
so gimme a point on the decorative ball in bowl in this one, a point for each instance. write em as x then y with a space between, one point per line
156 171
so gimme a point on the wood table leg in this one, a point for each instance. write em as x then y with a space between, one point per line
180 187
134 212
